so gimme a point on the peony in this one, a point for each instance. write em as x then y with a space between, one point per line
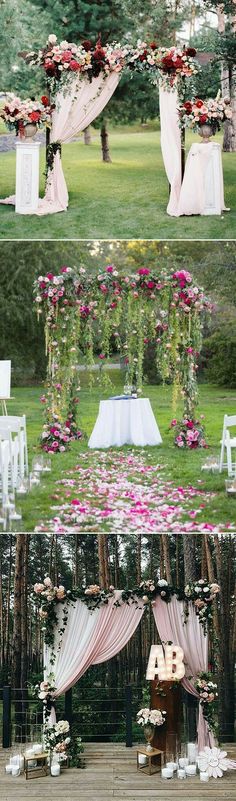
38 588
47 582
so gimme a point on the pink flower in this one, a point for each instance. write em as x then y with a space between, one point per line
43 399
110 268
174 423
50 276
143 271
102 356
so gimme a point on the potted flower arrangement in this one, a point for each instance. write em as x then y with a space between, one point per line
205 116
149 719
25 116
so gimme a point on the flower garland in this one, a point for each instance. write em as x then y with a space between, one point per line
207 690
195 113
63 61
18 113
163 308
48 597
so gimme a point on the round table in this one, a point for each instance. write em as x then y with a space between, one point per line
125 422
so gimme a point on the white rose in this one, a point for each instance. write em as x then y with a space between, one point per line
52 39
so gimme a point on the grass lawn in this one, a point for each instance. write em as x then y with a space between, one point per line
123 200
182 467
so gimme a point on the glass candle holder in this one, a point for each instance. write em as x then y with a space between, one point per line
230 486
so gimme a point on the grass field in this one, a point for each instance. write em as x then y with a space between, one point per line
183 467
123 200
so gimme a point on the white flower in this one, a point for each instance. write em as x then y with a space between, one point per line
206 589
52 39
162 583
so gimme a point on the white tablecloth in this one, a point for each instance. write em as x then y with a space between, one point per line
125 422
202 190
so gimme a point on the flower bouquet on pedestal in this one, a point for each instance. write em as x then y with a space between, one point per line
205 116
25 116
149 719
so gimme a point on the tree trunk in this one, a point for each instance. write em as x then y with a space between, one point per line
166 555
105 143
87 136
189 557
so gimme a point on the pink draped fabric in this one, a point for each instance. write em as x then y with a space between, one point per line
169 619
90 637
171 145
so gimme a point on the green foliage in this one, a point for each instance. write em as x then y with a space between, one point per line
22 27
220 355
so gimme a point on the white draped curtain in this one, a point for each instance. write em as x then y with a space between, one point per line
171 145
90 637
75 110
171 625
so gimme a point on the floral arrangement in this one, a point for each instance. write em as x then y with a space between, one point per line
202 593
155 717
57 739
207 690
195 113
189 433
163 308
64 60
48 598
61 61
55 437
175 63
18 113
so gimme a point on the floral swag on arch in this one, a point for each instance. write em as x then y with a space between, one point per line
83 312
85 627
82 78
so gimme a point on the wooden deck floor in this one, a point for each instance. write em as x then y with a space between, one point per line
110 773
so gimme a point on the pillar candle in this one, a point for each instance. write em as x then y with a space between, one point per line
190 770
204 776
181 773
55 769
167 773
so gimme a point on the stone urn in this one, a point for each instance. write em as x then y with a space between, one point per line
205 131
29 131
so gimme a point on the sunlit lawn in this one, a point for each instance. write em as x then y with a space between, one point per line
125 199
183 467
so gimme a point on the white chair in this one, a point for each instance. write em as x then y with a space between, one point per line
17 425
6 469
228 442
13 438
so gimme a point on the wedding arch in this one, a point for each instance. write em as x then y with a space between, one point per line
81 79
89 626
84 312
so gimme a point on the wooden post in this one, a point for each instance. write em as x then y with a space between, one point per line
128 716
168 698
6 719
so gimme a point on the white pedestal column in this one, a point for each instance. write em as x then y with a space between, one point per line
27 177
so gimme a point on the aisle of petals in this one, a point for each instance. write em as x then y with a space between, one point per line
120 492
